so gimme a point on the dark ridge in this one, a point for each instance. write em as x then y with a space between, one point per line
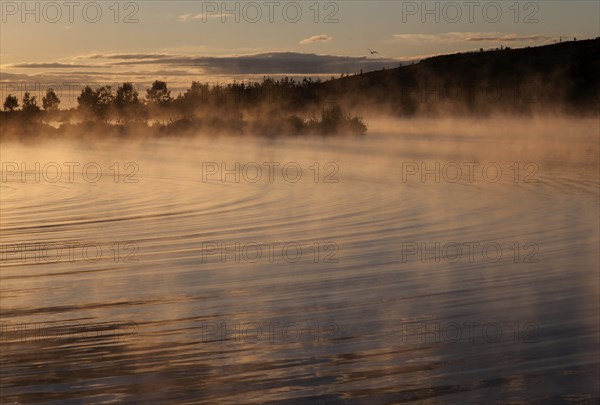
562 77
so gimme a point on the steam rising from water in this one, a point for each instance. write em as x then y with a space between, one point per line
370 293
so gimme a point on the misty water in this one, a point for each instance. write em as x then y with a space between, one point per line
146 284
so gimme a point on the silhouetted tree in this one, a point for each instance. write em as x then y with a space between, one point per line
86 100
97 102
195 96
128 104
158 94
126 96
197 91
11 103
50 101
30 104
104 100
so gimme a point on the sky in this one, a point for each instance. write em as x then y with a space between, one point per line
66 44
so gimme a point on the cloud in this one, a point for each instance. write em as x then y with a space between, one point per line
126 56
511 38
48 65
270 63
316 38
472 37
203 17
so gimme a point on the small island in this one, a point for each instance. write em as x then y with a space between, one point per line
269 108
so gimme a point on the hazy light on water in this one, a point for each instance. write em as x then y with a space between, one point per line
169 302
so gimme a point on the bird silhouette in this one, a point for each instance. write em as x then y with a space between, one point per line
372 52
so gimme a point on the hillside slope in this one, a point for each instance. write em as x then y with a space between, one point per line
562 77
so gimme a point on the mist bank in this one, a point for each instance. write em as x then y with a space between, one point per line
328 121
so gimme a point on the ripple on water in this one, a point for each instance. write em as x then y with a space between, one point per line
149 329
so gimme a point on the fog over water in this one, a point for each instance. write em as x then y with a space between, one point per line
428 261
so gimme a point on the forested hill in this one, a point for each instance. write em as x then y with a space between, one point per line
563 77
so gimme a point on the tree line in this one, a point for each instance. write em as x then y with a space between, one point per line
273 103
50 102
126 99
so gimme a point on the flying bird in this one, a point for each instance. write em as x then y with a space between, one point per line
372 52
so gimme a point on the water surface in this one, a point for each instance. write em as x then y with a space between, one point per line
169 311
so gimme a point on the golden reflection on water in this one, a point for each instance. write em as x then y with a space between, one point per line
168 312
